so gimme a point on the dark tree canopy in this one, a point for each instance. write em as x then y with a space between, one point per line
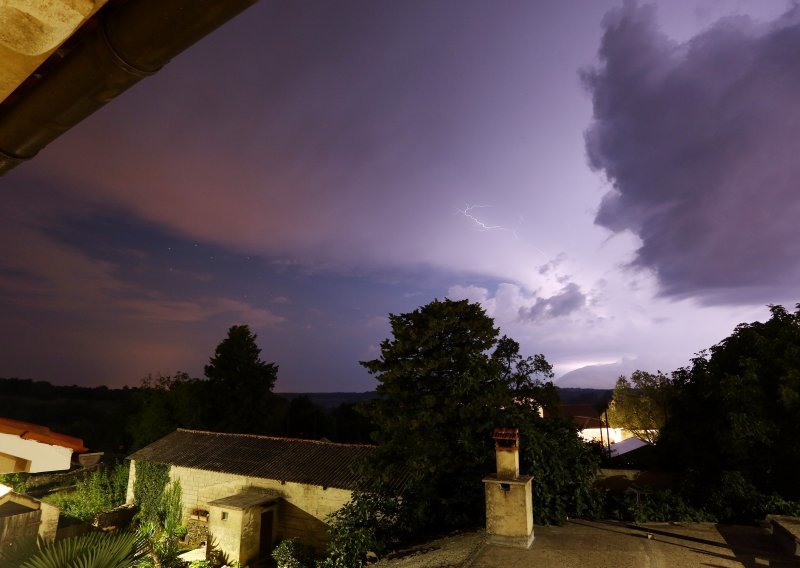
241 383
446 380
163 403
736 415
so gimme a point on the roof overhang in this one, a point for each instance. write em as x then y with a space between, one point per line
64 59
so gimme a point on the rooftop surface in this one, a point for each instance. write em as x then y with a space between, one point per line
286 459
607 544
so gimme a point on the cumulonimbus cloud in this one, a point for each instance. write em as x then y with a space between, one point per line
699 141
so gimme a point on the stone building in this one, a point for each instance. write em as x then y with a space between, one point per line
248 492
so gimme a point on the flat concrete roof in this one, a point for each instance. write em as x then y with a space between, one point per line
609 544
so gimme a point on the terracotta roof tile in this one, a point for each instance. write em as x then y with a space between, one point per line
39 433
287 459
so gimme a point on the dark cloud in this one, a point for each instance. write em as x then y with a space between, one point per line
700 141
568 300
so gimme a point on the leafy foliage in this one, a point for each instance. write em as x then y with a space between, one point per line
640 404
162 529
163 403
91 550
733 426
291 553
654 506
446 381
16 481
563 468
438 394
369 522
149 484
102 490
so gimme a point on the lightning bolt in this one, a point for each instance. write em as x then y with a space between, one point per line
467 212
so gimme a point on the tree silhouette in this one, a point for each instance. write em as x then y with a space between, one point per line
240 383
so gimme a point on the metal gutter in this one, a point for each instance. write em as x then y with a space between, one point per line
129 41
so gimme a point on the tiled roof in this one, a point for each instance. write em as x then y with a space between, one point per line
286 459
582 415
38 433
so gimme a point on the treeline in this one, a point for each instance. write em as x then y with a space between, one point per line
119 421
97 415
725 426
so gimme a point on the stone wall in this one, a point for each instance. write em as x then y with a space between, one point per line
196 533
301 513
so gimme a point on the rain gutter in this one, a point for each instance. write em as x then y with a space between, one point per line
126 41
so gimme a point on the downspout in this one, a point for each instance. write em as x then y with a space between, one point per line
130 41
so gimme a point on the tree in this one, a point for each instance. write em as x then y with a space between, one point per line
437 403
241 383
166 402
735 416
640 404
446 380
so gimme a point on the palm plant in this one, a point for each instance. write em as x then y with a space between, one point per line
92 550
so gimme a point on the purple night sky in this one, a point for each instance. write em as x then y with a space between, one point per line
616 183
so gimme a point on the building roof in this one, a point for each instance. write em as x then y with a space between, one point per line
245 500
285 459
584 416
39 433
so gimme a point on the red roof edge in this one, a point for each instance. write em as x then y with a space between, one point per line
39 433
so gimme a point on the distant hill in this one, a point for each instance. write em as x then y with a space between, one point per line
332 399
597 376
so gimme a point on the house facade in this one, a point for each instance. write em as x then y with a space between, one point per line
242 494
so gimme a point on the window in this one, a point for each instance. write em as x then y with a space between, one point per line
224 515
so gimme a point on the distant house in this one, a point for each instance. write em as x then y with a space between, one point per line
22 516
243 493
32 448
590 423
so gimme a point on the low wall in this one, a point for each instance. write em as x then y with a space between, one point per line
118 518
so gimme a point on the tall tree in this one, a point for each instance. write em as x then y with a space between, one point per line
241 383
641 403
736 414
446 380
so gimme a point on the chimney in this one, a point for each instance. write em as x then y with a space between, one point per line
506 449
509 495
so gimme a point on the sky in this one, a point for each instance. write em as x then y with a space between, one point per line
615 182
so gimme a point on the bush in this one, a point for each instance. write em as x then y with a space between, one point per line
96 493
563 468
369 522
661 506
16 481
291 553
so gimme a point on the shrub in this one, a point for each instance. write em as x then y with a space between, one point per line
291 553
16 481
96 493
369 522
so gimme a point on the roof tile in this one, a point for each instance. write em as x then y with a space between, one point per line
287 459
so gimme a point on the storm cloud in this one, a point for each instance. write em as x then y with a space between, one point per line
699 141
